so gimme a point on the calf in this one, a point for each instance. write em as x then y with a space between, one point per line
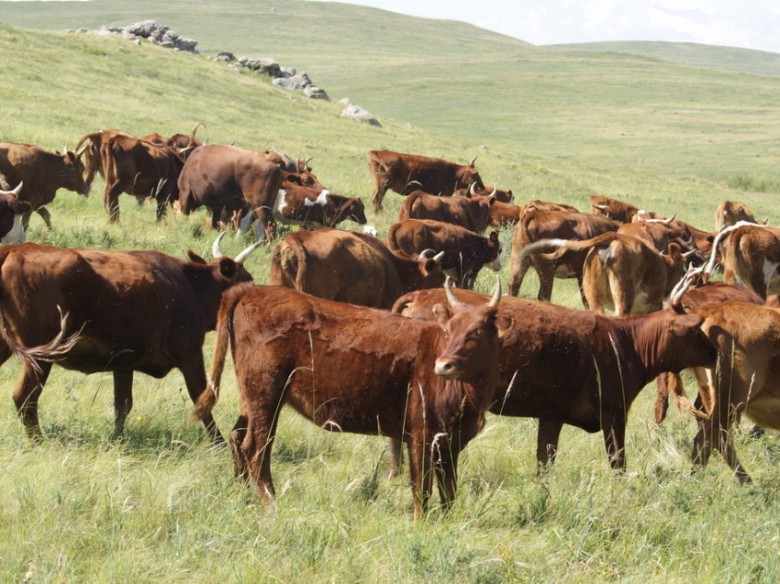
732 212
577 367
465 252
354 369
471 213
350 267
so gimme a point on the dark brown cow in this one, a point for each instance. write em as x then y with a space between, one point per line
226 178
471 213
126 311
567 366
354 369
350 267
537 224
42 174
403 173
12 211
465 252
613 209
142 169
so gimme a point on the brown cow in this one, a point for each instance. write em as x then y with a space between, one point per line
404 172
732 212
11 212
350 267
140 168
88 148
471 213
613 209
465 252
42 174
751 257
226 178
537 224
577 367
501 195
354 369
127 311
183 144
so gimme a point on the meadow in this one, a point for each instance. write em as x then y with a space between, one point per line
162 506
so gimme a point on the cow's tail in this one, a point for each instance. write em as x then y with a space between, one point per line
209 396
55 350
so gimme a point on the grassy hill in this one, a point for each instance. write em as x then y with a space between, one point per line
160 506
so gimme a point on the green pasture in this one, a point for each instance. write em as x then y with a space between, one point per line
669 134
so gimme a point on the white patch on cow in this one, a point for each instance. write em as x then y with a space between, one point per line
280 204
321 200
369 230
16 233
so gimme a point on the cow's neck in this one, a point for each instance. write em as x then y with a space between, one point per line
647 336
206 290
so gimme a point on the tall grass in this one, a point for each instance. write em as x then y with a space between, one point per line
162 506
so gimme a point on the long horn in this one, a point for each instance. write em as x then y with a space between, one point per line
427 254
473 160
472 189
496 298
675 297
241 258
14 192
716 242
216 252
669 221
438 257
454 302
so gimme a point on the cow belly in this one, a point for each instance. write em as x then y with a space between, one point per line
765 411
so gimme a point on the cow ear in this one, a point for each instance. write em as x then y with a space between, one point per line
227 268
442 314
683 323
195 258
492 201
504 323
494 236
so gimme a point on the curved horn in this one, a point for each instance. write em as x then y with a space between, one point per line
14 192
496 298
716 242
427 253
493 194
669 221
241 258
216 252
472 190
473 160
675 297
454 302
438 257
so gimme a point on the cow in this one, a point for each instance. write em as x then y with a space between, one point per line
746 379
42 174
227 178
501 195
465 252
11 212
313 209
183 144
140 168
536 224
88 149
126 311
731 212
471 213
751 257
350 267
578 367
613 209
403 172
355 369
286 162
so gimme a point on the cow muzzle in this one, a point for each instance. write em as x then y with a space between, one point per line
446 367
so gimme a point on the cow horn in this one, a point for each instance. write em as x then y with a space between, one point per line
669 221
14 192
427 253
473 160
454 302
216 252
472 192
493 194
241 258
496 298
438 257
675 297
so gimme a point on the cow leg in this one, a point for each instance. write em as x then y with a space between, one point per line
662 397
582 293
517 272
445 458
237 437
123 400
547 442
716 431
26 220
28 391
161 209
266 219
546 273
111 200
615 442
421 474
395 457
195 378
45 215
379 194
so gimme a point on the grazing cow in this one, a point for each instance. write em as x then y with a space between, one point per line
354 369
183 144
536 224
11 212
751 257
140 168
226 178
312 208
465 252
403 172
501 195
732 212
577 367
746 380
471 213
126 311
41 173
613 209
350 267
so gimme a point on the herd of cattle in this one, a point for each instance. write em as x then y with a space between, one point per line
365 335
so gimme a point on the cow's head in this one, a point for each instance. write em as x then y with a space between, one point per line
472 337
225 270
468 175
350 210
493 259
73 174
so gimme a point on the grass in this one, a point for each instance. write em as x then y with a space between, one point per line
161 506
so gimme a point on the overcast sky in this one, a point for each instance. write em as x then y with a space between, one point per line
751 24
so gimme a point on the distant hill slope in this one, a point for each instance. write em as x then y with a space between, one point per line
698 55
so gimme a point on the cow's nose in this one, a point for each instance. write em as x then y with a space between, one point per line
445 367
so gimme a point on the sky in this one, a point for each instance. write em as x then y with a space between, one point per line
749 24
